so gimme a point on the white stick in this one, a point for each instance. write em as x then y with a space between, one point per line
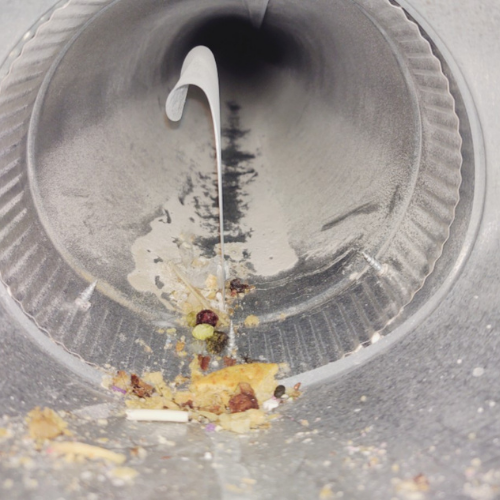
157 415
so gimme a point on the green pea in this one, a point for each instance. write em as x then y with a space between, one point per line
203 331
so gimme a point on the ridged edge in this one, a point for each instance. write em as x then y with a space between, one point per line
366 307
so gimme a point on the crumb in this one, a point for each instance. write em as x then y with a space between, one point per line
422 482
45 424
326 492
237 287
144 346
75 449
228 361
204 362
140 388
251 321
179 348
243 401
126 473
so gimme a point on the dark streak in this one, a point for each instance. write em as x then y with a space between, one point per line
186 190
167 214
365 209
396 197
159 284
236 174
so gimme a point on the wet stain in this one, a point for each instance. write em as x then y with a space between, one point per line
365 209
186 190
236 175
168 219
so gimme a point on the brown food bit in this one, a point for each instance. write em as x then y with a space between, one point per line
248 359
188 403
204 362
228 361
244 401
140 388
296 387
217 342
236 286
422 482
207 317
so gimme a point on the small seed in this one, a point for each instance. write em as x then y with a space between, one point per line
279 391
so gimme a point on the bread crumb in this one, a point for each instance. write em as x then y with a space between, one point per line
4 433
74 449
326 492
126 473
251 321
45 424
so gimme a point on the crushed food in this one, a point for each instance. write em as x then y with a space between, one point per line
45 424
217 342
237 287
139 387
233 397
245 400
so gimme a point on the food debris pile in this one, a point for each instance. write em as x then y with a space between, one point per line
237 398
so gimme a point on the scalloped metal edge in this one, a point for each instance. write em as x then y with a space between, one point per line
436 108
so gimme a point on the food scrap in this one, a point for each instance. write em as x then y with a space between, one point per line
217 342
45 424
73 449
251 321
236 287
139 387
203 331
204 362
412 488
236 398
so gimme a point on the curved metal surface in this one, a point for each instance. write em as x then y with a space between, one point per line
428 405
406 148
